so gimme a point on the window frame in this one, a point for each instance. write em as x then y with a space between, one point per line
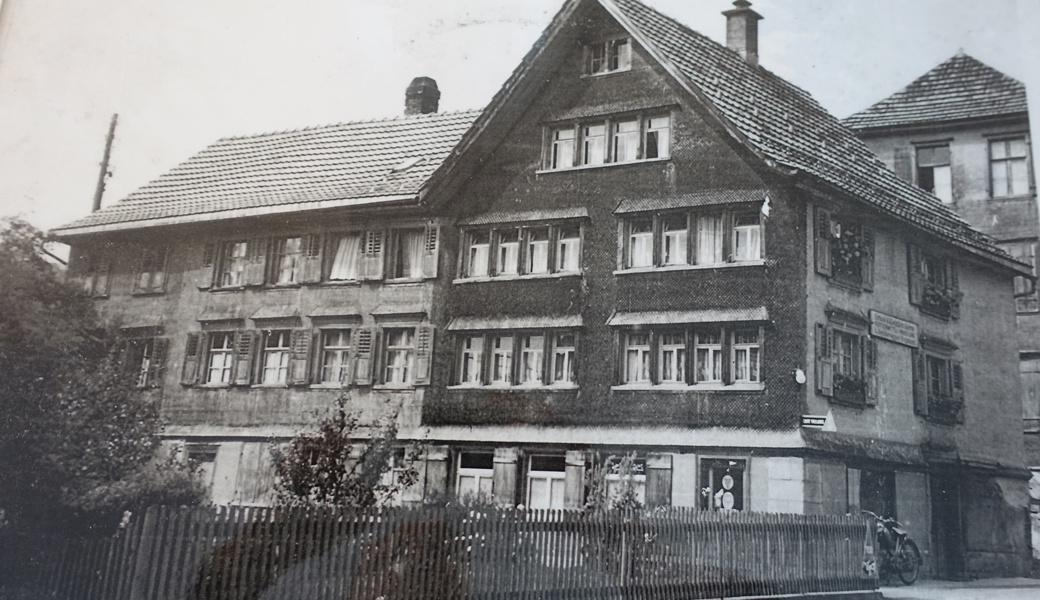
473 245
552 479
480 474
152 262
602 57
722 353
345 353
93 270
933 164
659 235
485 356
618 134
228 350
1027 293
924 267
280 252
410 352
1007 162
284 352
396 252
947 406
831 251
833 380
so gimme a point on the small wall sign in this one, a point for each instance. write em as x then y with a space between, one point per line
895 330
814 421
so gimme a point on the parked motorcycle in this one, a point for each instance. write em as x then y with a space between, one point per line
897 553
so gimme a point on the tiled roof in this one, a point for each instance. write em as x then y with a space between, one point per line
960 88
786 125
314 166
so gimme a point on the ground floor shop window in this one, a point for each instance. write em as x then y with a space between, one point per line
546 482
877 492
722 484
475 477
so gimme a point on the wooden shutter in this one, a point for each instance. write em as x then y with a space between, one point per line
622 247
870 376
364 353
424 354
824 360
957 387
867 260
372 256
658 481
157 365
920 369
431 254
256 261
300 345
915 270
310 267
193 351
727 236
953 281
902 164
245 343
726 337
822 234
209 261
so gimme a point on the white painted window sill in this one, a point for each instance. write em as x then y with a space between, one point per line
603 166
702 387
516 388
731 265
518 277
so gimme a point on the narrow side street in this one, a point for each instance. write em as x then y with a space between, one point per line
984 589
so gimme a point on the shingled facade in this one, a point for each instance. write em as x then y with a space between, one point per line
646 246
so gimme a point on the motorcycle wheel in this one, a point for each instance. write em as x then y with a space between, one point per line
908 562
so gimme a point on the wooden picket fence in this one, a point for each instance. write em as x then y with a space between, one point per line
435 552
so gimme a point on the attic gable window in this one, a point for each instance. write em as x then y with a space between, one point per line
933 172
609 56
613 140
1008 167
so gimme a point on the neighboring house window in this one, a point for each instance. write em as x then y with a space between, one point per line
938 383
1027 299
407 254
722 482
846 362
234 258
276 354
546 482
934 283
285 269
699 356
145 360
933 172
335 356
562 153
92 269
151 272
515 360
511 251
220 358
697 238
346 257
399 356
202 460
475 479
611 141
1008 167
844 249
609 56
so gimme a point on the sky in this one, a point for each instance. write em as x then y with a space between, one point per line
183 73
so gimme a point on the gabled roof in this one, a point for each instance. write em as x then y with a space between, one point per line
960 88
357 163
785 125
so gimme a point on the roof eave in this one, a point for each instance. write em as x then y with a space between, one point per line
66 233
987 120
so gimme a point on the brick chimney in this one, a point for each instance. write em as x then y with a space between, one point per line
742 31
422 97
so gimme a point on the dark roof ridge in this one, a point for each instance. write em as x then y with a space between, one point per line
372 121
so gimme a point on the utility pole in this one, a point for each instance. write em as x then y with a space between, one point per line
103 175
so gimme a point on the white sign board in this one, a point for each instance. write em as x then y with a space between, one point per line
892 329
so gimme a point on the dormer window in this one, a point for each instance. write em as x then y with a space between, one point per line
609 56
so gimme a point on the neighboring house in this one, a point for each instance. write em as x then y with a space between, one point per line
961 131
645 245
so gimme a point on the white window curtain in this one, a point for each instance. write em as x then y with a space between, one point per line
411 254
345 262
709 240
